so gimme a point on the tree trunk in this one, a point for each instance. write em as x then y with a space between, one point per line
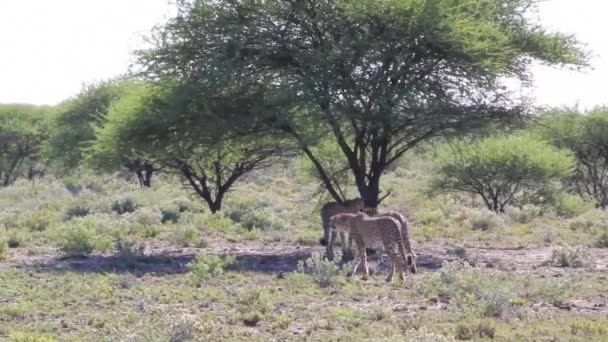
148 171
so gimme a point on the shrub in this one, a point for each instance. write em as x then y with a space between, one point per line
524 215
423 335
3 250
458 251
566 256
124 206
76 211
128 251
185 236
76 240
569 205
209 266
260 219
429 217
602 240
37 221
72 187
169 215
472 290
502 170
31 337
586 136
15 238
323 272
484 221
80 237
147 216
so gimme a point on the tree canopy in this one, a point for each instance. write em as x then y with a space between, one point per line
378 77
22 132
586 135
501 170
206 139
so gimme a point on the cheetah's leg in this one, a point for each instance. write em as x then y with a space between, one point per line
329 249
391 254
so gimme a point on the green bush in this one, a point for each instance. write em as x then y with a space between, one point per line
80 237
124 206
15 238
569 205
76 240
185 236
208 266
502 170
323 272
566 256
37 221
524 215
261 219
3 250
602 240
429 217
169 215
76 211
484 221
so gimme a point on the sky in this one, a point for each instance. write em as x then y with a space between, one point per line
49 49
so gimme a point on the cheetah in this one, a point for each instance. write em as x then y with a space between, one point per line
405 227
330 209
368 231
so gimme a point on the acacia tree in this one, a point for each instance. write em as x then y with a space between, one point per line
72 129
21 135
586 135
379 77
502 170
206 139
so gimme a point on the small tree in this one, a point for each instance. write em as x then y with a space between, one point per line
204 138
586 135
21 135
72 130
501 169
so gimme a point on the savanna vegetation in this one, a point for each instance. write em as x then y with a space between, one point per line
181 201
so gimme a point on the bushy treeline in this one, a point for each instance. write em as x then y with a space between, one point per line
228 87
562 151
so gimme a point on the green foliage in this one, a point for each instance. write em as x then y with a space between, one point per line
602 239
72 122
324 272
586 135
566 256
484 221
208 266
22 132
126 205
185 236
31 337
15 238
3 249
524 215
170 215
80 237
502 169
164 124
76 211
569 205
358 78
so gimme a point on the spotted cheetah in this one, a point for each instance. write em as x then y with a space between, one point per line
405 227
330 209
369 231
